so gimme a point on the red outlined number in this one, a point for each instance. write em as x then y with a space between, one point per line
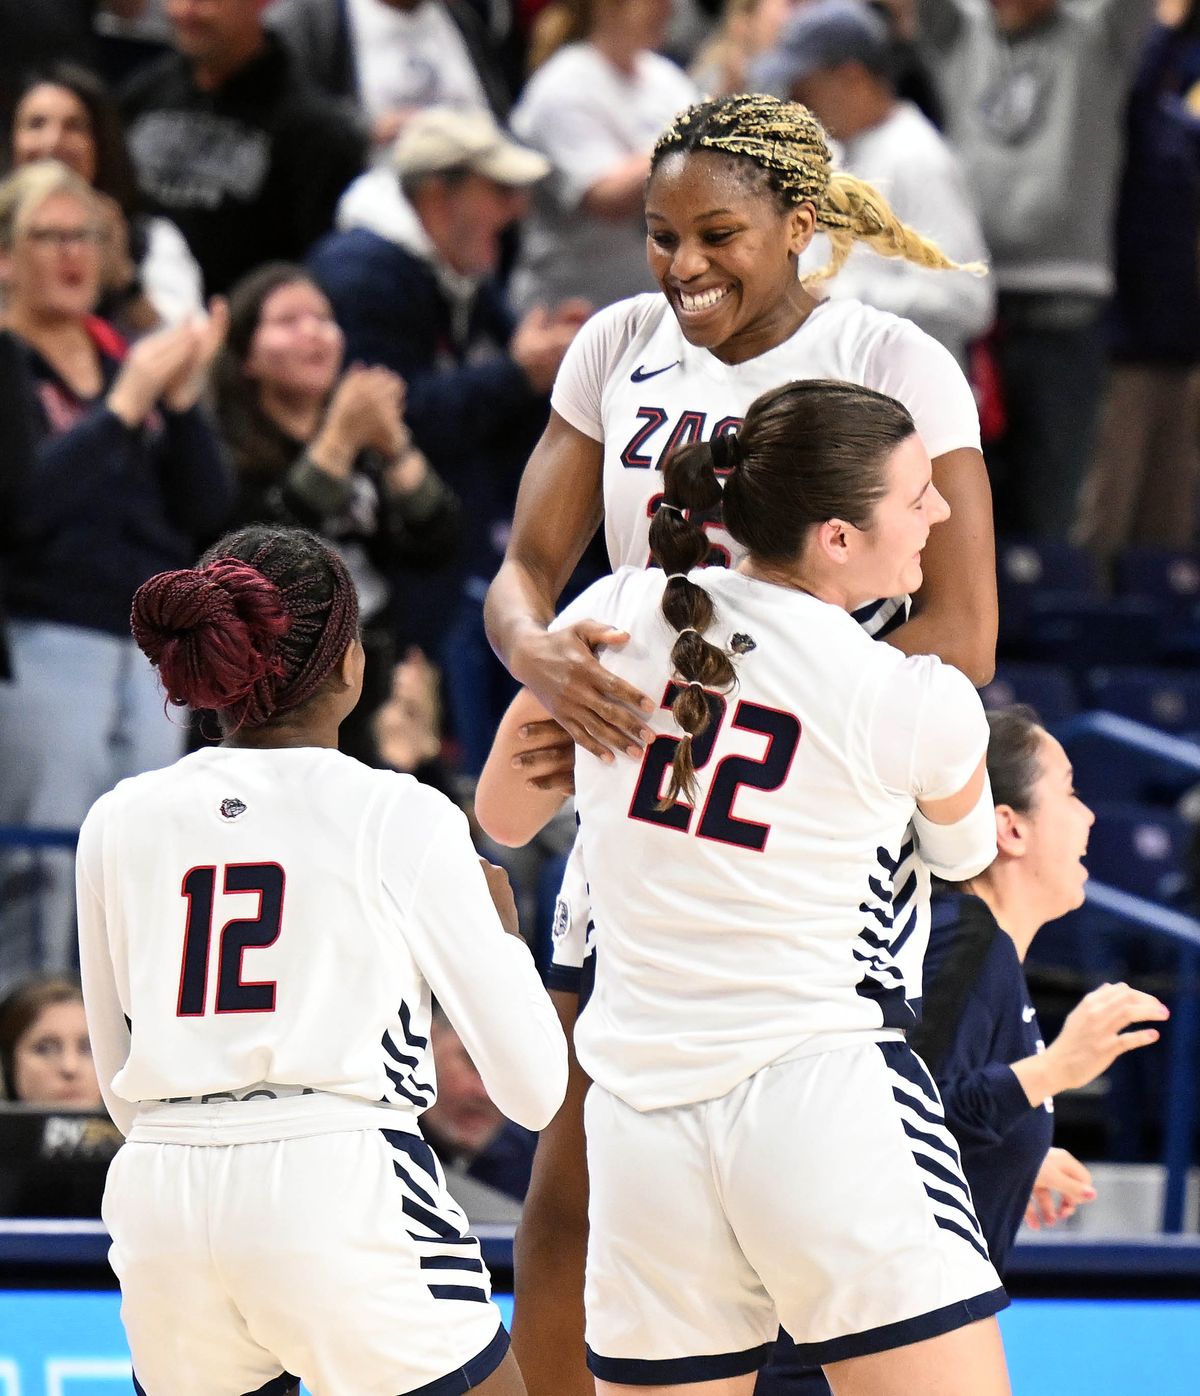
234 994
767 773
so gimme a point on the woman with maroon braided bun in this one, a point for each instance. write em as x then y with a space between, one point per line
263 928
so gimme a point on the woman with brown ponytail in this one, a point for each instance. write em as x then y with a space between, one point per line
763 1147
276 1214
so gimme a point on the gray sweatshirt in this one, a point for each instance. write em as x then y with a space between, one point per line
1038 119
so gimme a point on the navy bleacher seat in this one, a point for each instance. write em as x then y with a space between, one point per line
1140 849
1047 688
1165 698
1086 631
1159 574
1026 570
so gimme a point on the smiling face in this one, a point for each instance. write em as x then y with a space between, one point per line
296 351
1055 835
52 1060
51 123
53 269
884 559
724 254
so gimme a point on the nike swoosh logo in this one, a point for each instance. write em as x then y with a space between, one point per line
640 374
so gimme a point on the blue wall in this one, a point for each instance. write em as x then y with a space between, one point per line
69 1344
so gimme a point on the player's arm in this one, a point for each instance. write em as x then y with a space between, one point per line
929 739
108 1030
551 1243
559 507
955 613
484 979
508 805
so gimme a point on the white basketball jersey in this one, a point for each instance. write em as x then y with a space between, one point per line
755 923
281 916
631 380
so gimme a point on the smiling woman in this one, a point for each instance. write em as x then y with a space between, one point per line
979 1033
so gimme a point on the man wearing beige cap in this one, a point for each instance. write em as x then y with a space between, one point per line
423 300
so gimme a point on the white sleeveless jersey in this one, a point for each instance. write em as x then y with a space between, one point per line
280 917
755 925
632 381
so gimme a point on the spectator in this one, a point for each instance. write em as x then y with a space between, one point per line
328 450
249 161
1142 484
149 276
594 109
389 58
836 57
427 306
464 1128
748 29
1034 92
408 727
45 1054
125 480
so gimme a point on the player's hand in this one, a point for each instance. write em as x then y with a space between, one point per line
502 897
1062 1185
598 710
548 762
1094 1034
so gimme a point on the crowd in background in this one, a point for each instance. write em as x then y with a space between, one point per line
318 262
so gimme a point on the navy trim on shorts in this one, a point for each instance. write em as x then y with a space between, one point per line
470 1374
282 1385
563 977
909 1330
671 1371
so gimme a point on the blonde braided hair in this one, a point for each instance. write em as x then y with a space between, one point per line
786 142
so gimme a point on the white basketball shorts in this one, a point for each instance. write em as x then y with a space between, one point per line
824 1194
338 1258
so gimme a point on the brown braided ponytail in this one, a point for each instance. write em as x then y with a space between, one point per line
253 630
785 145
678 545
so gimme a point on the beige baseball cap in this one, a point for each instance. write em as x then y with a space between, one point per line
445 138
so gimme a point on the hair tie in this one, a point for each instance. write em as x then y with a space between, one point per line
677 576
691 630
695 683
674 508
726 452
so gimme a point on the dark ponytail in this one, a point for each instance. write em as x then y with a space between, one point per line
679 544
252 631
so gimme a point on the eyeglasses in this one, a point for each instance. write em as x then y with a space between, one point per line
63 238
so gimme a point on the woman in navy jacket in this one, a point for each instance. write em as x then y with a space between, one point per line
979 1033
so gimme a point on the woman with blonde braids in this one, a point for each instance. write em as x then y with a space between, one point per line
738 187
763 1146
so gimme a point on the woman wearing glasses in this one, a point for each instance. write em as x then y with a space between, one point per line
122 479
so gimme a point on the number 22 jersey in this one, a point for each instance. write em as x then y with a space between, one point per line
754 924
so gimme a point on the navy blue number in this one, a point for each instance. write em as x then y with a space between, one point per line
193 974
651 786
767 773
233 994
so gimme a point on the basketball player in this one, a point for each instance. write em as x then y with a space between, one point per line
737 188
261 928
763 1146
